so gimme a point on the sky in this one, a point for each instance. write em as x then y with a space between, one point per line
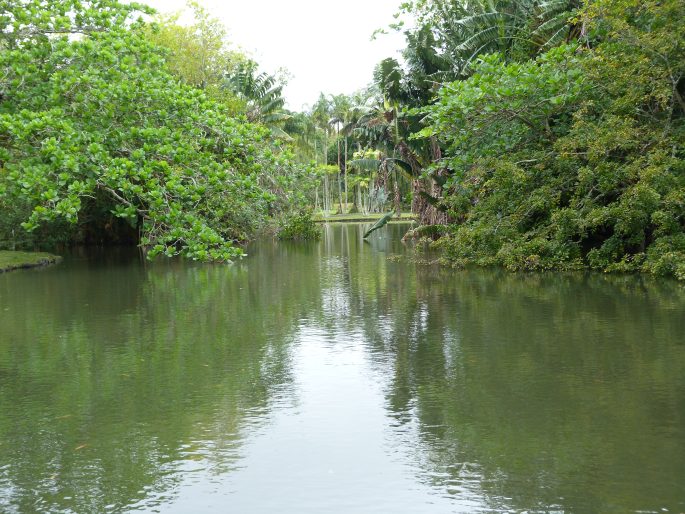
325 45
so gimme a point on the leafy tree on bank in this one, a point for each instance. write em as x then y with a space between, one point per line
574 159
199 52
96 132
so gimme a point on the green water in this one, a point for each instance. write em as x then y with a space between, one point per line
333 377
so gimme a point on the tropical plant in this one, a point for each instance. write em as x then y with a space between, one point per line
458 32
383 221
97 132
574 159
262 94
386 124
304 136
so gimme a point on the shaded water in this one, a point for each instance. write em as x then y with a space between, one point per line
327 377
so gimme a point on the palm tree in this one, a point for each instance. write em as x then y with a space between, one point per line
321 115
304 136
461 31
386 125
342 111
448 36
263 96
378 126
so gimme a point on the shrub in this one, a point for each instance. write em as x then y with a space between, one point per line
299 225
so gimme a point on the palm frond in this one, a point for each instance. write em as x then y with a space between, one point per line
404 166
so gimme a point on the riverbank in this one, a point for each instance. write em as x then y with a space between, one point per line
360 218
10 261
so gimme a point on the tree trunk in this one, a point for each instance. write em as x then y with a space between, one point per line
398 197
340 202
327 193
345 169
428 214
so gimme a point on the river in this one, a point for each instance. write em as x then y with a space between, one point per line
341 377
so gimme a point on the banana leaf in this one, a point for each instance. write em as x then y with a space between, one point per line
403 165
380 223
435 202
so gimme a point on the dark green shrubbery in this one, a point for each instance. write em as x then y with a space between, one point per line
299 225
575 159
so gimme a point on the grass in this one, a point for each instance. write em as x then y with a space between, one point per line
318 217
17 260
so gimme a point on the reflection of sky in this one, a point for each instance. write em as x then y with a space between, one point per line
333 451
330 444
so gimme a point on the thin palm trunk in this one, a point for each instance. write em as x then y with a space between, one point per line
345 169
398 198
340 202
327 197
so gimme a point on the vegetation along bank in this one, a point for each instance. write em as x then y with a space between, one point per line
531 135
21 260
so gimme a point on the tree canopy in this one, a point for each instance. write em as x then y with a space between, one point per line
97 129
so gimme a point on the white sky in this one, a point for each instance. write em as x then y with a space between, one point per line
324 44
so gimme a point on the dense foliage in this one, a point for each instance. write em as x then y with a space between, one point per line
198 51
98 134
535 134
576 158
300 226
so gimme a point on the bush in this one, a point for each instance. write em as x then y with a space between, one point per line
96 127
299 225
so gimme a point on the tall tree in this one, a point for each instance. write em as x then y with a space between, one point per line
199 53
97 132
341 111
262 94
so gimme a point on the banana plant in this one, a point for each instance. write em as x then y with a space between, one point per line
379 224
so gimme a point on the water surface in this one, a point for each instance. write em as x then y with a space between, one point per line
336 377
